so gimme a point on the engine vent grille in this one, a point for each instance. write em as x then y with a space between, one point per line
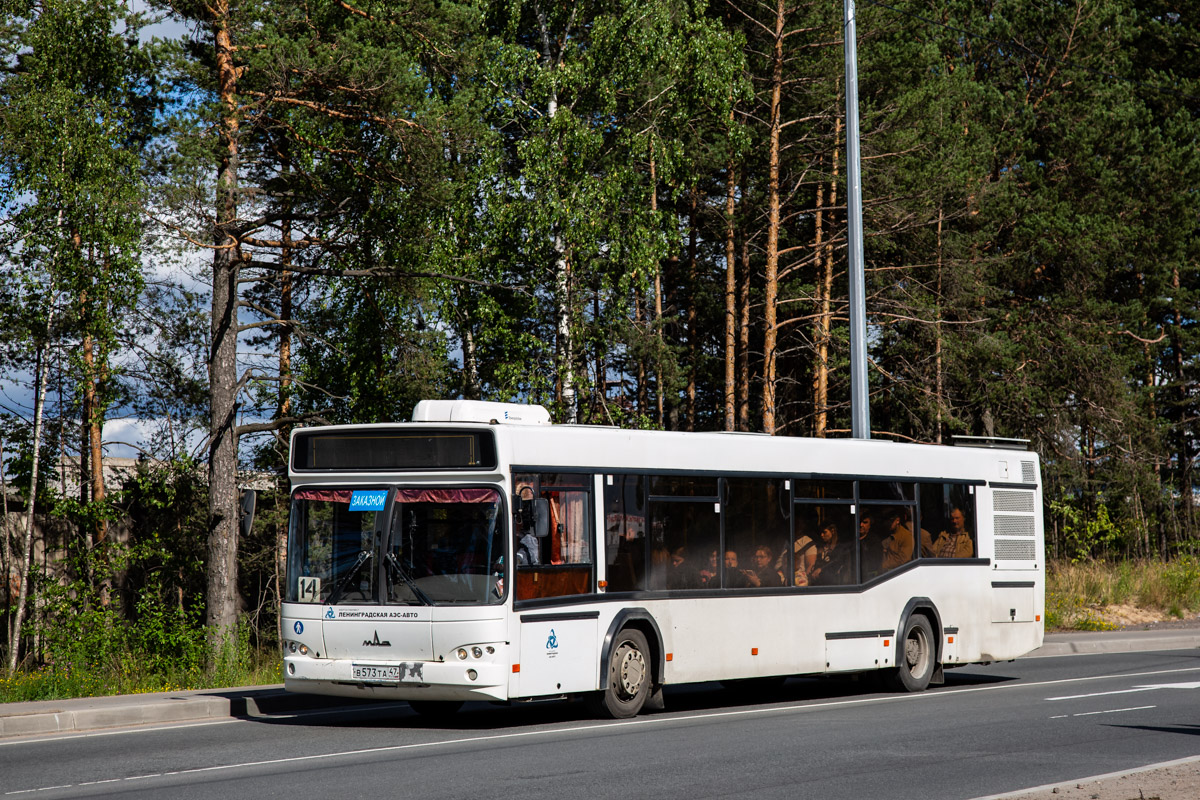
1015 525
1015 550
1005 500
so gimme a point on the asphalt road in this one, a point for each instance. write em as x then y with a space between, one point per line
988 730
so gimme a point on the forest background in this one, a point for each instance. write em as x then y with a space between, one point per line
298 213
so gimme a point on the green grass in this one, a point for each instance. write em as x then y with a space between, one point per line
1075 592
62 681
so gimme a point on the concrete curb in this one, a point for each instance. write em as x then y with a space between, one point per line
1065 644
96 713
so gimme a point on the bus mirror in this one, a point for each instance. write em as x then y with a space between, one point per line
541 518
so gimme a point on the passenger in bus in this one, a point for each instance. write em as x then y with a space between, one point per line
735 578
710 575
898 546
763 573
804 558
660 563
625 570
680 574
869 553
955 541
832 565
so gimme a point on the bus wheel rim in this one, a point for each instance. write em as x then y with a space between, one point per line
631 671
914 651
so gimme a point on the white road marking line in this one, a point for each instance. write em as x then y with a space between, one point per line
1191 685
1102 694
1112 711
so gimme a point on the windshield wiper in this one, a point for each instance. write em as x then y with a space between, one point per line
363 557
390 560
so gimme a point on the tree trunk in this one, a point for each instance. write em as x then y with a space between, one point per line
641 398
222 605
743 389
1184 455
6 566
939 389
770 298
286 291
600 391
693 337
820 376
825 261
284 407
88 464
658 304
566 338
95 438
14 636
471 385
730 301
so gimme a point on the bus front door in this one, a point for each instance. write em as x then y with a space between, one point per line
559 654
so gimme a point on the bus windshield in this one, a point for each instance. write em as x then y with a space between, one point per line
431 546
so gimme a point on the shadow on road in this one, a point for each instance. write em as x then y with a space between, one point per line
689 698
1187 730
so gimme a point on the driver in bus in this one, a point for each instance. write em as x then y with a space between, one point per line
528 549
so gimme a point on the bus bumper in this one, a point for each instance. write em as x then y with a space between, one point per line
419 680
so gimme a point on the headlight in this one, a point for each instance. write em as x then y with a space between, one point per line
475 651
295 647
462 653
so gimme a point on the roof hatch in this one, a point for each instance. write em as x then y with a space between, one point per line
480 411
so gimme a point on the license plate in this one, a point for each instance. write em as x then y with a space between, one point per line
375 672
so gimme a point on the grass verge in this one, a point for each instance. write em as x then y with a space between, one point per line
80 671
1077 594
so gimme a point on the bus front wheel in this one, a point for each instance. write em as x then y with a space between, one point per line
628 681
917 655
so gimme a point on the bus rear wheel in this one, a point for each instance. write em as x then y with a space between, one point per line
628 681
915 664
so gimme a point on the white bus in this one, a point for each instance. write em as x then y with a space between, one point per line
482 553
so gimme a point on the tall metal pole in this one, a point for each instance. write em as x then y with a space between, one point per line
860 410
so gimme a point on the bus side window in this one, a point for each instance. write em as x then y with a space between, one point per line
563 562
625 533
829 559
947 521
757 518
892 533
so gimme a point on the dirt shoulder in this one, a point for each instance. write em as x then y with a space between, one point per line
1136 618
1176 780
1129 617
